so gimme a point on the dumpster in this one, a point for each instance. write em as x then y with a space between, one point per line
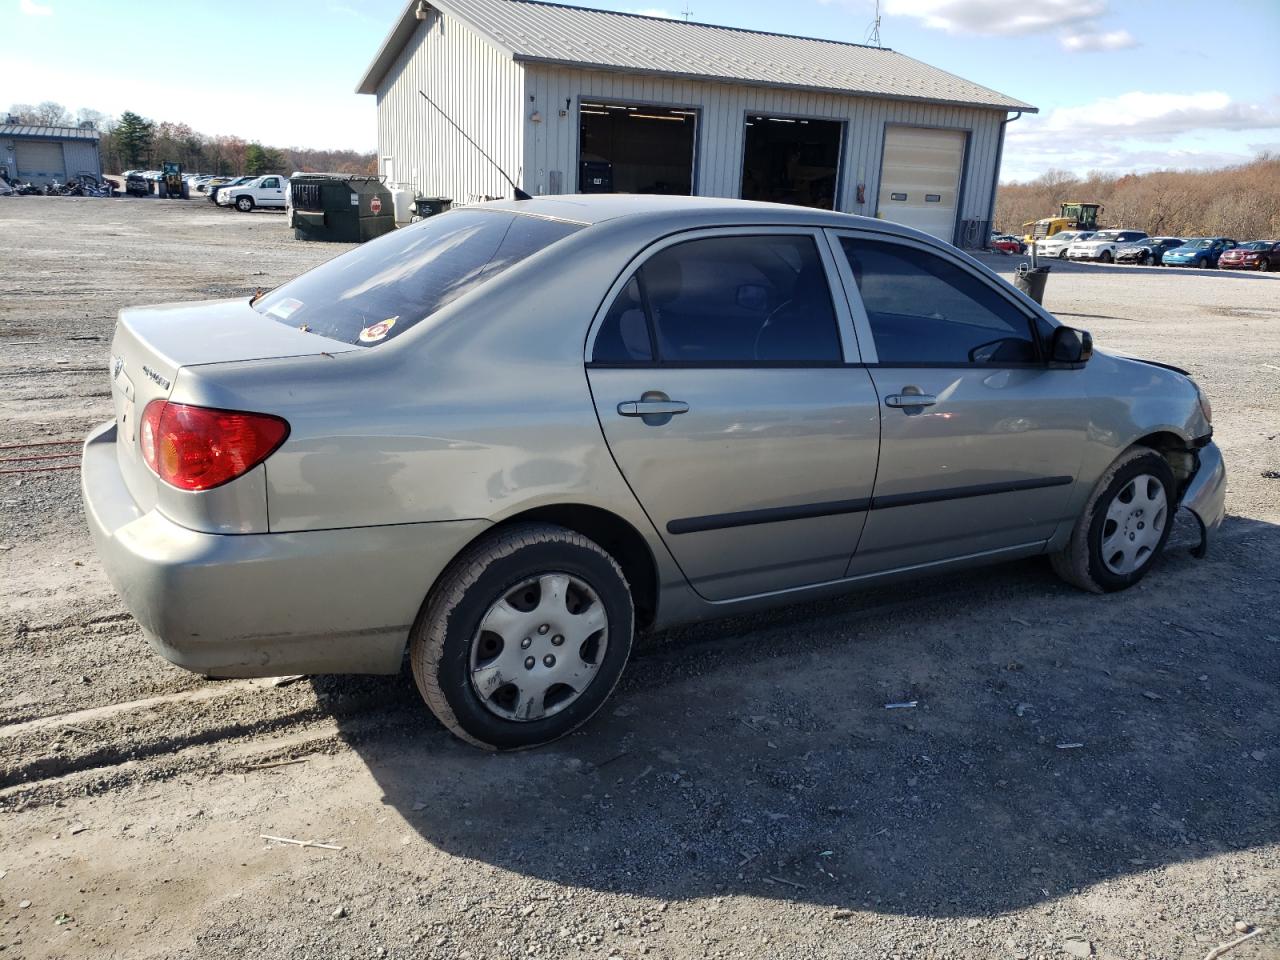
1031 280
424 207
343 208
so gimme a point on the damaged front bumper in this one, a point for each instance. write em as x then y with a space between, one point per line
1206 495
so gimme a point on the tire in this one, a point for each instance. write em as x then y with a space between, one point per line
1102 525
499 581
1264 265
1146 259
1062 255
244 204
1105 256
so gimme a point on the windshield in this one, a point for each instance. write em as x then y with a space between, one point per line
1199 244
1256 245
1106 235
381 289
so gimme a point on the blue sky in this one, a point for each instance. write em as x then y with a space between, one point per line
1121 84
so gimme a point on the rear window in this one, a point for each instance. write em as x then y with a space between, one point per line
386 286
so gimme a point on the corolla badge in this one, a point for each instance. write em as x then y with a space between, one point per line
157 378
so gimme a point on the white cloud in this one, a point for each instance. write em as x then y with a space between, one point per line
1138 131
1090 40
1153 116
33 9
997 16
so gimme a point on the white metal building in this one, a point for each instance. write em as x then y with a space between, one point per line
567 100
43 154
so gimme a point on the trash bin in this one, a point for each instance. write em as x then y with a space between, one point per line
1030 280
340 208
430 206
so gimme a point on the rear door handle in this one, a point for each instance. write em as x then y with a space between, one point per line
652 408
910 400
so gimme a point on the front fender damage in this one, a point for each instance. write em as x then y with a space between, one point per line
1206 495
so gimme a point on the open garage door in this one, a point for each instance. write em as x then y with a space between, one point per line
636 149
791 160
40 161
920 178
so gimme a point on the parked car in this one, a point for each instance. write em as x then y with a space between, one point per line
1260 255
1102 245
1007 243
268 191
1148 252
218 192
1198 252
1056 246
508 436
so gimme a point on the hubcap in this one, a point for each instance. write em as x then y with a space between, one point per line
1134 524
538 647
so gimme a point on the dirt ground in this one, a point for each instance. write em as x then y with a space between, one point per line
745 793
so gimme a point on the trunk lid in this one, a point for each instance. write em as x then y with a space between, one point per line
151 344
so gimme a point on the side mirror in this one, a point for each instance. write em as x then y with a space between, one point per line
1070 346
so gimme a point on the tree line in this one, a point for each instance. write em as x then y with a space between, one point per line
1242 202
132 141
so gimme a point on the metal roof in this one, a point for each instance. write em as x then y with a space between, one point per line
48 133
536 32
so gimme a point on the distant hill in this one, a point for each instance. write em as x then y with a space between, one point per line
1241 202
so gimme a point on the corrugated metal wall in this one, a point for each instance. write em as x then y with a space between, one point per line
551 147
477 85
81 156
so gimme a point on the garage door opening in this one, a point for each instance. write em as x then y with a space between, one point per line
789 160
636 149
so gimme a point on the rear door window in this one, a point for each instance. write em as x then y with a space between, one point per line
384 287
736 299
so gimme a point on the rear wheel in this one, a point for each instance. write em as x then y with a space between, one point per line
524 638
1124 525
244 204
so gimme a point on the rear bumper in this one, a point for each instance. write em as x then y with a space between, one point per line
1206 495
322 601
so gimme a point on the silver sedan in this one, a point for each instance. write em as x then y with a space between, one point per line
506 438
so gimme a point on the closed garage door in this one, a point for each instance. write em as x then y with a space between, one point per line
920 178
40 161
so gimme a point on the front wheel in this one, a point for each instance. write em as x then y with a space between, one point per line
1146 259
244 204
1264 265
1105 256
1123 526
1062 255
524 637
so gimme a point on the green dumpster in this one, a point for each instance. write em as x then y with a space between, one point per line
340 208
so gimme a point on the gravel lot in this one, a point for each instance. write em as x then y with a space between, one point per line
745 793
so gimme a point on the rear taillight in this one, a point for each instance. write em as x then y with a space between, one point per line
196 448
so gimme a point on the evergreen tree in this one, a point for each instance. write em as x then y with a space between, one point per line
133 137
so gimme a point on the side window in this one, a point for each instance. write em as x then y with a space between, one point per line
736 299
924 309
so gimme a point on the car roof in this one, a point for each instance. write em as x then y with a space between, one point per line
589 209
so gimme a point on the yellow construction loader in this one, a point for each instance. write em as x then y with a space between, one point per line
1073 215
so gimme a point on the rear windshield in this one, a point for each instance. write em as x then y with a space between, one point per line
382 288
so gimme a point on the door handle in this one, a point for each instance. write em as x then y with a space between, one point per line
910 400
652 408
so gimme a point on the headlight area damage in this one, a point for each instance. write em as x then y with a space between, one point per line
1206 495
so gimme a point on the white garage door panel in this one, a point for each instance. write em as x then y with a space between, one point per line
38 160
920 165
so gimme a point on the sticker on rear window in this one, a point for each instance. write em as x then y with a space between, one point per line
379 330
285 308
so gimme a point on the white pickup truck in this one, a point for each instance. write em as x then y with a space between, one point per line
268 191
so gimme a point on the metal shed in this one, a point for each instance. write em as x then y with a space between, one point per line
569 99
43 154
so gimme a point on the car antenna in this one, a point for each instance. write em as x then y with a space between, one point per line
517 193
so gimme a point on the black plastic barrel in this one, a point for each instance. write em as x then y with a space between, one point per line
1031 280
